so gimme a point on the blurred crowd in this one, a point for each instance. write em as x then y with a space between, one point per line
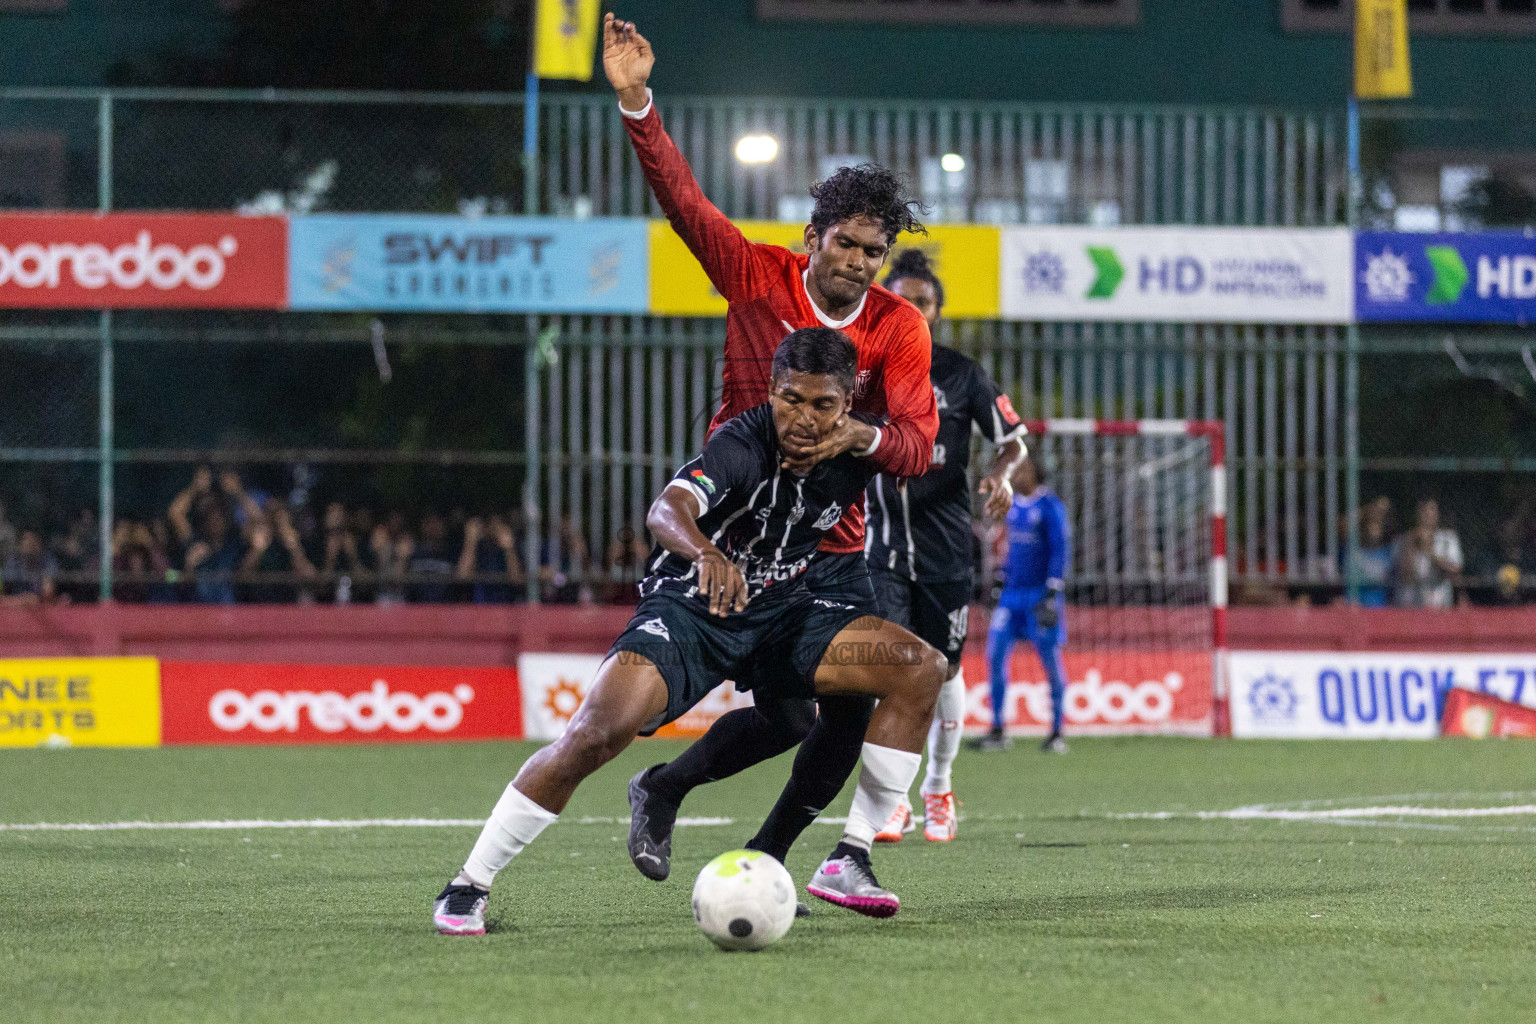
221 543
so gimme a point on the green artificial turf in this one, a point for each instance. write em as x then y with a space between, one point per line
1047 907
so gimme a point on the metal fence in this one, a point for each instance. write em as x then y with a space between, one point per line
569 425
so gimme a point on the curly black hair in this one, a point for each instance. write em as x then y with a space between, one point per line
867 190
914 263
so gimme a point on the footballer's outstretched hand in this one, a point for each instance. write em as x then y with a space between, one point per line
722 582
627 61
999 492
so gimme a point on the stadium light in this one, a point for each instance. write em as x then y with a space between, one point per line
954 163
757 149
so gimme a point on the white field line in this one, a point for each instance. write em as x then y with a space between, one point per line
297 823
1332 813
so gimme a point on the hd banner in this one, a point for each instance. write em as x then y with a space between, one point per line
1178 274
468 264
1288 694
1488 277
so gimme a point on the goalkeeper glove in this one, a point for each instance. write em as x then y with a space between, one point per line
1046 611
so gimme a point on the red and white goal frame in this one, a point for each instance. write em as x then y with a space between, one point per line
1215 432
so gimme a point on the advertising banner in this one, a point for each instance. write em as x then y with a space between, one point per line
1480 715
555 684
227 702
1365 695
1183 274
965 258
1109 692
143 260
468 265
1489 277
80 702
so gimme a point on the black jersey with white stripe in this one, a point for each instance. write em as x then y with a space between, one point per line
920 527
766 519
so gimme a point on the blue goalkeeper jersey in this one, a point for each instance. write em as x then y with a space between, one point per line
1039 542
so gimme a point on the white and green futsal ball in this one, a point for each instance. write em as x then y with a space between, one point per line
744 899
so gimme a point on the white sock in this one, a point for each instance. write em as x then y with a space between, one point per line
515 822
944 735
884 780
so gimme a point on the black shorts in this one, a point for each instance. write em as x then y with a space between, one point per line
939 613
772 648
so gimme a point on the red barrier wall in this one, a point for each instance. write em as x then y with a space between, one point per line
495 635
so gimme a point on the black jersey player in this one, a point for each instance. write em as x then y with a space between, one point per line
726 598
919 537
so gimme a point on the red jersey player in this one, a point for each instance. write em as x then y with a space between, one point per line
772 292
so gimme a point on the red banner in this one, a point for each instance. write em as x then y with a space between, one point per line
133 260
1107 692
225 702
1482 715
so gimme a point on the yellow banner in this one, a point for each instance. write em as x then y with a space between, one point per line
565 38
81 702
1381 50
966 258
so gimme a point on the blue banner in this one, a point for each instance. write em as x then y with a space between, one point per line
1488 277
426 263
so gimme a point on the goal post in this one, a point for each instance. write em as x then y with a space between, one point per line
1147 579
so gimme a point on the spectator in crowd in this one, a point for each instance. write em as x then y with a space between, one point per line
7 536
78 553
429 563
341 561
139 563
1513 562
28 575
1373 561
490 550
274 546
390 546
215 550
625 567
563 566
1426 561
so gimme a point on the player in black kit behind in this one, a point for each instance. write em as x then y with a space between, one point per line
919 534
726 598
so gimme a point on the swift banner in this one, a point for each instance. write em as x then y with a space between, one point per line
1285 694
227 702
80 702
143 260
1187 275
965 258
1488 277
468 265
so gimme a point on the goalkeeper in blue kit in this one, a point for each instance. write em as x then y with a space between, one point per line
1032 606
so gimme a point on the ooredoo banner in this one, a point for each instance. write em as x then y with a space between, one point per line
554 686
79 702
137 260
1108 692
1184 274
227 702
1287 694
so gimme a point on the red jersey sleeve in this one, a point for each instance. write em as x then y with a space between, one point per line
734 265
906 441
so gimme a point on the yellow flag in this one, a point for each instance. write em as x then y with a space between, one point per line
565 38
1381 50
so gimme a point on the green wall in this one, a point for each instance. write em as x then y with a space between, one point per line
1184 51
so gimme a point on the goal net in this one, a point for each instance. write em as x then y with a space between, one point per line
1146 580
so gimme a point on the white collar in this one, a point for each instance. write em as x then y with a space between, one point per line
805 277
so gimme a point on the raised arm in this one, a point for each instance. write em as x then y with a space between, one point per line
727 257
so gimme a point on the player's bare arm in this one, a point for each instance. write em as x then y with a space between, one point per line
997 485
673 521
627 61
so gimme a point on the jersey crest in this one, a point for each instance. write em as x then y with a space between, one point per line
829 517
